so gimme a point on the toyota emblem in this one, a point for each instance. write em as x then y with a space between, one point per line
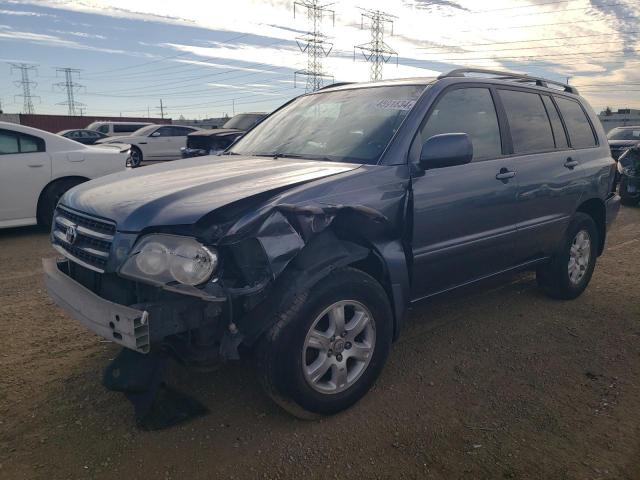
71 235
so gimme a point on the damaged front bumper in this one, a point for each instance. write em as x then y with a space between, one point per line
121 324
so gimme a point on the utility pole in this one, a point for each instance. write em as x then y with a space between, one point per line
376 51
26 84
70 87
314 43
161 107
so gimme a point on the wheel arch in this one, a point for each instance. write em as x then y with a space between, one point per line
53 182
595 208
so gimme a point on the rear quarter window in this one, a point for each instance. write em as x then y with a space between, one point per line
580 132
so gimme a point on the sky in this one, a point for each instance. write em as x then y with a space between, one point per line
209 58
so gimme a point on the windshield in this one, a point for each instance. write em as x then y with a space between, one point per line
144 131
353 125
624 134
243 121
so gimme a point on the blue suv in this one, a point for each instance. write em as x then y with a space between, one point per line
307 241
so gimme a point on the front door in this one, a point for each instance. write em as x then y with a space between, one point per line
465 216
159 144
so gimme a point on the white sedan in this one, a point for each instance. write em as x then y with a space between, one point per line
38 167
154 142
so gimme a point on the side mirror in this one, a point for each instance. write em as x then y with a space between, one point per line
155 134
446 150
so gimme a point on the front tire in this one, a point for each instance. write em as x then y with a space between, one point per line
328 345
568 273
135 157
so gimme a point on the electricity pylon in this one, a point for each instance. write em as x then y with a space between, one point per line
314 43
377 52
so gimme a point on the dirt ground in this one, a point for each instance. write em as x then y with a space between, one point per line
493 382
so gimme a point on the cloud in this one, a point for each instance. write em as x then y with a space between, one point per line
80 34
21 13
9 34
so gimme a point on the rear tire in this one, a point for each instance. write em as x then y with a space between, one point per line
50 197
136 157
568 273
309 338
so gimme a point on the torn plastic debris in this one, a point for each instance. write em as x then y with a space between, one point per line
142 379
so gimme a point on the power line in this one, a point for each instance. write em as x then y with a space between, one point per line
377 52
314 43
70 87
26 84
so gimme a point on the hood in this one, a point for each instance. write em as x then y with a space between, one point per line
218 132
108 140
181 192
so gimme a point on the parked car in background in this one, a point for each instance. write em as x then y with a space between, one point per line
621 138
154 142
117 129
86 137
629 169
306 242
217 140
38 167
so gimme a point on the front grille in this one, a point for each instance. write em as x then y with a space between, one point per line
90 245
199 142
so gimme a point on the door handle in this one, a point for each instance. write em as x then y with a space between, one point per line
505 174
570 163
36 165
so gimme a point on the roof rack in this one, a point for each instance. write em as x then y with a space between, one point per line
516 77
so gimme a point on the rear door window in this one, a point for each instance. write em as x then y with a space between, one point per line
8 143
471 111
580 131
15 142
558 130
528 122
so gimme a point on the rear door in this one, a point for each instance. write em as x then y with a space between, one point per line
464 216
549 172
25 169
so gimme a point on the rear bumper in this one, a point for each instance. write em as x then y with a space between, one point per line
118 323
612 205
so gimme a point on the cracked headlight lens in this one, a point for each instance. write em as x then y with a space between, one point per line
163 259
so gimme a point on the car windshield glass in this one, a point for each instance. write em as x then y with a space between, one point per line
352 125
144 131
242 122
624 134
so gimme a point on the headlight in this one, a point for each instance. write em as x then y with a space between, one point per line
163 259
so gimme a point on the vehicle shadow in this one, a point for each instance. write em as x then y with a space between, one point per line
15 232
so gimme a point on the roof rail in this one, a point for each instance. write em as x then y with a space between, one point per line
516 77
337 84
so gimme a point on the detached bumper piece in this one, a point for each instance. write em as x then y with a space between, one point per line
121 324
612 206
